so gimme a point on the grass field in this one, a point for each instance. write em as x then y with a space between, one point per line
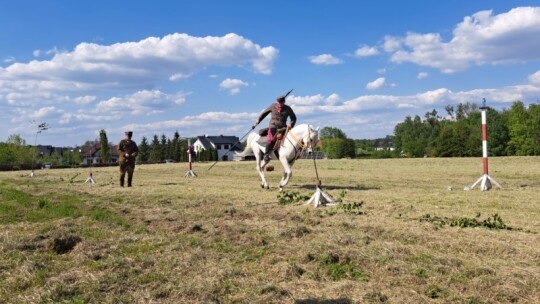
404 231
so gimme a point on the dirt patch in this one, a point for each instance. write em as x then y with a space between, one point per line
64 244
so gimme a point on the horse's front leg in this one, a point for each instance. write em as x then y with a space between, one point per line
287 173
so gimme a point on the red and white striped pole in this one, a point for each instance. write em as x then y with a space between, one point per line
484 140
190 172
485 180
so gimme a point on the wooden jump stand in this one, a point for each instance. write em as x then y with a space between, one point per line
90 179
320 198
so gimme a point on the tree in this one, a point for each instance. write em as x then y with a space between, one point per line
144 150
163 148
16 139
176 147
105 151
432 127
521 141
464 109
497 132
15 152
338 147
155 153
411 137
331 132
534 127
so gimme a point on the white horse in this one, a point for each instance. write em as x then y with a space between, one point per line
297 139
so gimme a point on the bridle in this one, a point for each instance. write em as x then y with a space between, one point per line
301 143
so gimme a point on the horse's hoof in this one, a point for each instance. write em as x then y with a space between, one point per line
262 186
267 187
280 189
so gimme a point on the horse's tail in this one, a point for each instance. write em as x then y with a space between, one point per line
248 149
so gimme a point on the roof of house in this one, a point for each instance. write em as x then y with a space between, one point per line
93 150
207 141
49 150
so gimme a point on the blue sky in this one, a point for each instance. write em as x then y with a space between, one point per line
210 67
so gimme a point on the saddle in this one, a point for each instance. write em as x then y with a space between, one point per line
264 137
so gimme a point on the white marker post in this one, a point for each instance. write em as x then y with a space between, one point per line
319 198
190 172
485 180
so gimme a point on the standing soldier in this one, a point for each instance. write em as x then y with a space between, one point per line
127 149
278 122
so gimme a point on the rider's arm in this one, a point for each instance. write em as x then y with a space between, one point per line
292 117
263 114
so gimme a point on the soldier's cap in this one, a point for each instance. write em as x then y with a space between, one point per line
129 133
281 99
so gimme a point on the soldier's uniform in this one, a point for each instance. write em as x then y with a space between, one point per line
127 150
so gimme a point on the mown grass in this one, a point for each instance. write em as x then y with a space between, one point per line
404 231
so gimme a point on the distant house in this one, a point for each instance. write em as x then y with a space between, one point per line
91 154
50 150
225 145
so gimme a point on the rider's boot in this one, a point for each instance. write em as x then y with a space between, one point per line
268 150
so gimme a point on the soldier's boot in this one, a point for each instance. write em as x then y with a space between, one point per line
121 180
268 150
130 178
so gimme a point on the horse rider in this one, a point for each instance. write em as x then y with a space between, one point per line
278 122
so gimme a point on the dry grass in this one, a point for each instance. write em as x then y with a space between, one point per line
219 238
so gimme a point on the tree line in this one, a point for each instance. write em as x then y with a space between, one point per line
15 154
511 132
162 148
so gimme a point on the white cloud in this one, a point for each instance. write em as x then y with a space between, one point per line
305 100
233 85
535 78
325 59
333 99
84 99
482 38
9 59
138 64
142 102
375 84
431 97
205 120
392 44
366 51
422 75
381 71
179 76
38 53
41 114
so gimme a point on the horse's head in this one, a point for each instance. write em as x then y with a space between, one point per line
306 134
313 135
